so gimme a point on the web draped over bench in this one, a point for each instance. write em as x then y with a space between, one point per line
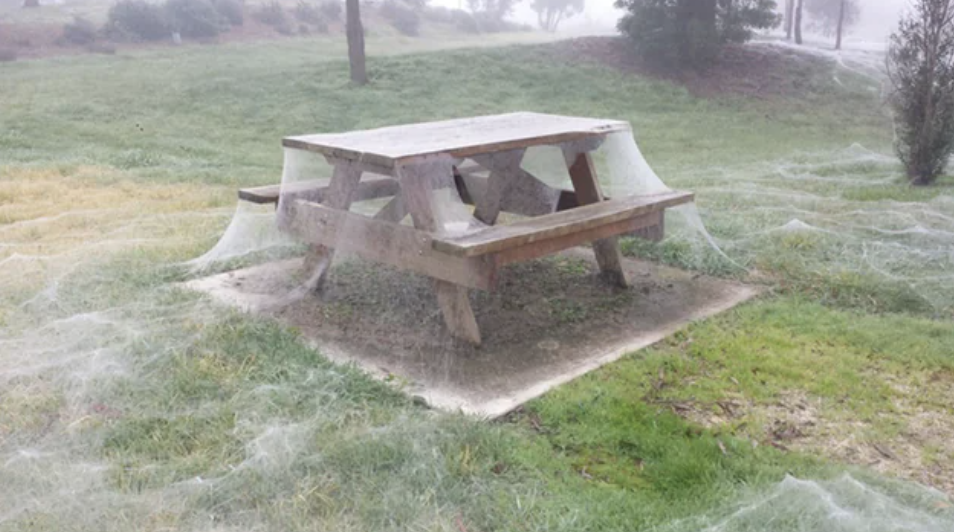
458 214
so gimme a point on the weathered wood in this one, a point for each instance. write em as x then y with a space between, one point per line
549 246
417 185
373 188
559 224
656 230
400 246
340 194
473 187
587 189
459 138
504 169
393 211
454 303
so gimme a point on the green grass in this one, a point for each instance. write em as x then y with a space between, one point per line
215 116
156 410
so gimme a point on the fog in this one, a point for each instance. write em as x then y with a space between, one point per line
878 17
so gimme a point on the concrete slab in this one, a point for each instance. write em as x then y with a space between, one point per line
551 321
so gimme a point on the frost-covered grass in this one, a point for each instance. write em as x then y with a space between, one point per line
129 404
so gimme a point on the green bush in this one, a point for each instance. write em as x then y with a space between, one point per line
195 18
231 10
402 17
665 32
80 31
137 20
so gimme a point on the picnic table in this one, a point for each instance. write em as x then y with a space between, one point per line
407 167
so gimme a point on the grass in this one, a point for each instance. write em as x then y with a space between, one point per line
202 125
153 410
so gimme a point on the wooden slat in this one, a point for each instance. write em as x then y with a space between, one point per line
543 248
502 237
372 188
655 231
398 245
459 138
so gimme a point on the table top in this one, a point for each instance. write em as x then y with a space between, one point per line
464 137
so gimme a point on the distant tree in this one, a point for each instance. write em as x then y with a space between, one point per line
789 17
31 3
355 32
551 12
832 17
798 21
842 20
691 32
921 70
494 9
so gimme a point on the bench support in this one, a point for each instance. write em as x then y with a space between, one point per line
417 189
588 191
340 194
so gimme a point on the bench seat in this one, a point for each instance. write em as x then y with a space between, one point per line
546 234
369 188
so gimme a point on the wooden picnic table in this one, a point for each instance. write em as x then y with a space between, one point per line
410 163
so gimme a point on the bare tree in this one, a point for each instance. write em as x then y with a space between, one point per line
355 33
789 18
798 21
833 17
551 12
921 70
841 24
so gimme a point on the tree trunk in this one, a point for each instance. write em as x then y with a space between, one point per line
789 16
355 42
798 22
841 25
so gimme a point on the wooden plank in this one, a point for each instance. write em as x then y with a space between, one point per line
417 184
339 195
373 188
454 303
542 248
502 237
655 231
398 245
460 138
587 188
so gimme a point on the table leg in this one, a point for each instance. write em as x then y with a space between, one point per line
504 168
511 188
340 195
587 189
417 184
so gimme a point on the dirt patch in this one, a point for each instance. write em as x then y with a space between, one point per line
757 70
550 321
922 451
